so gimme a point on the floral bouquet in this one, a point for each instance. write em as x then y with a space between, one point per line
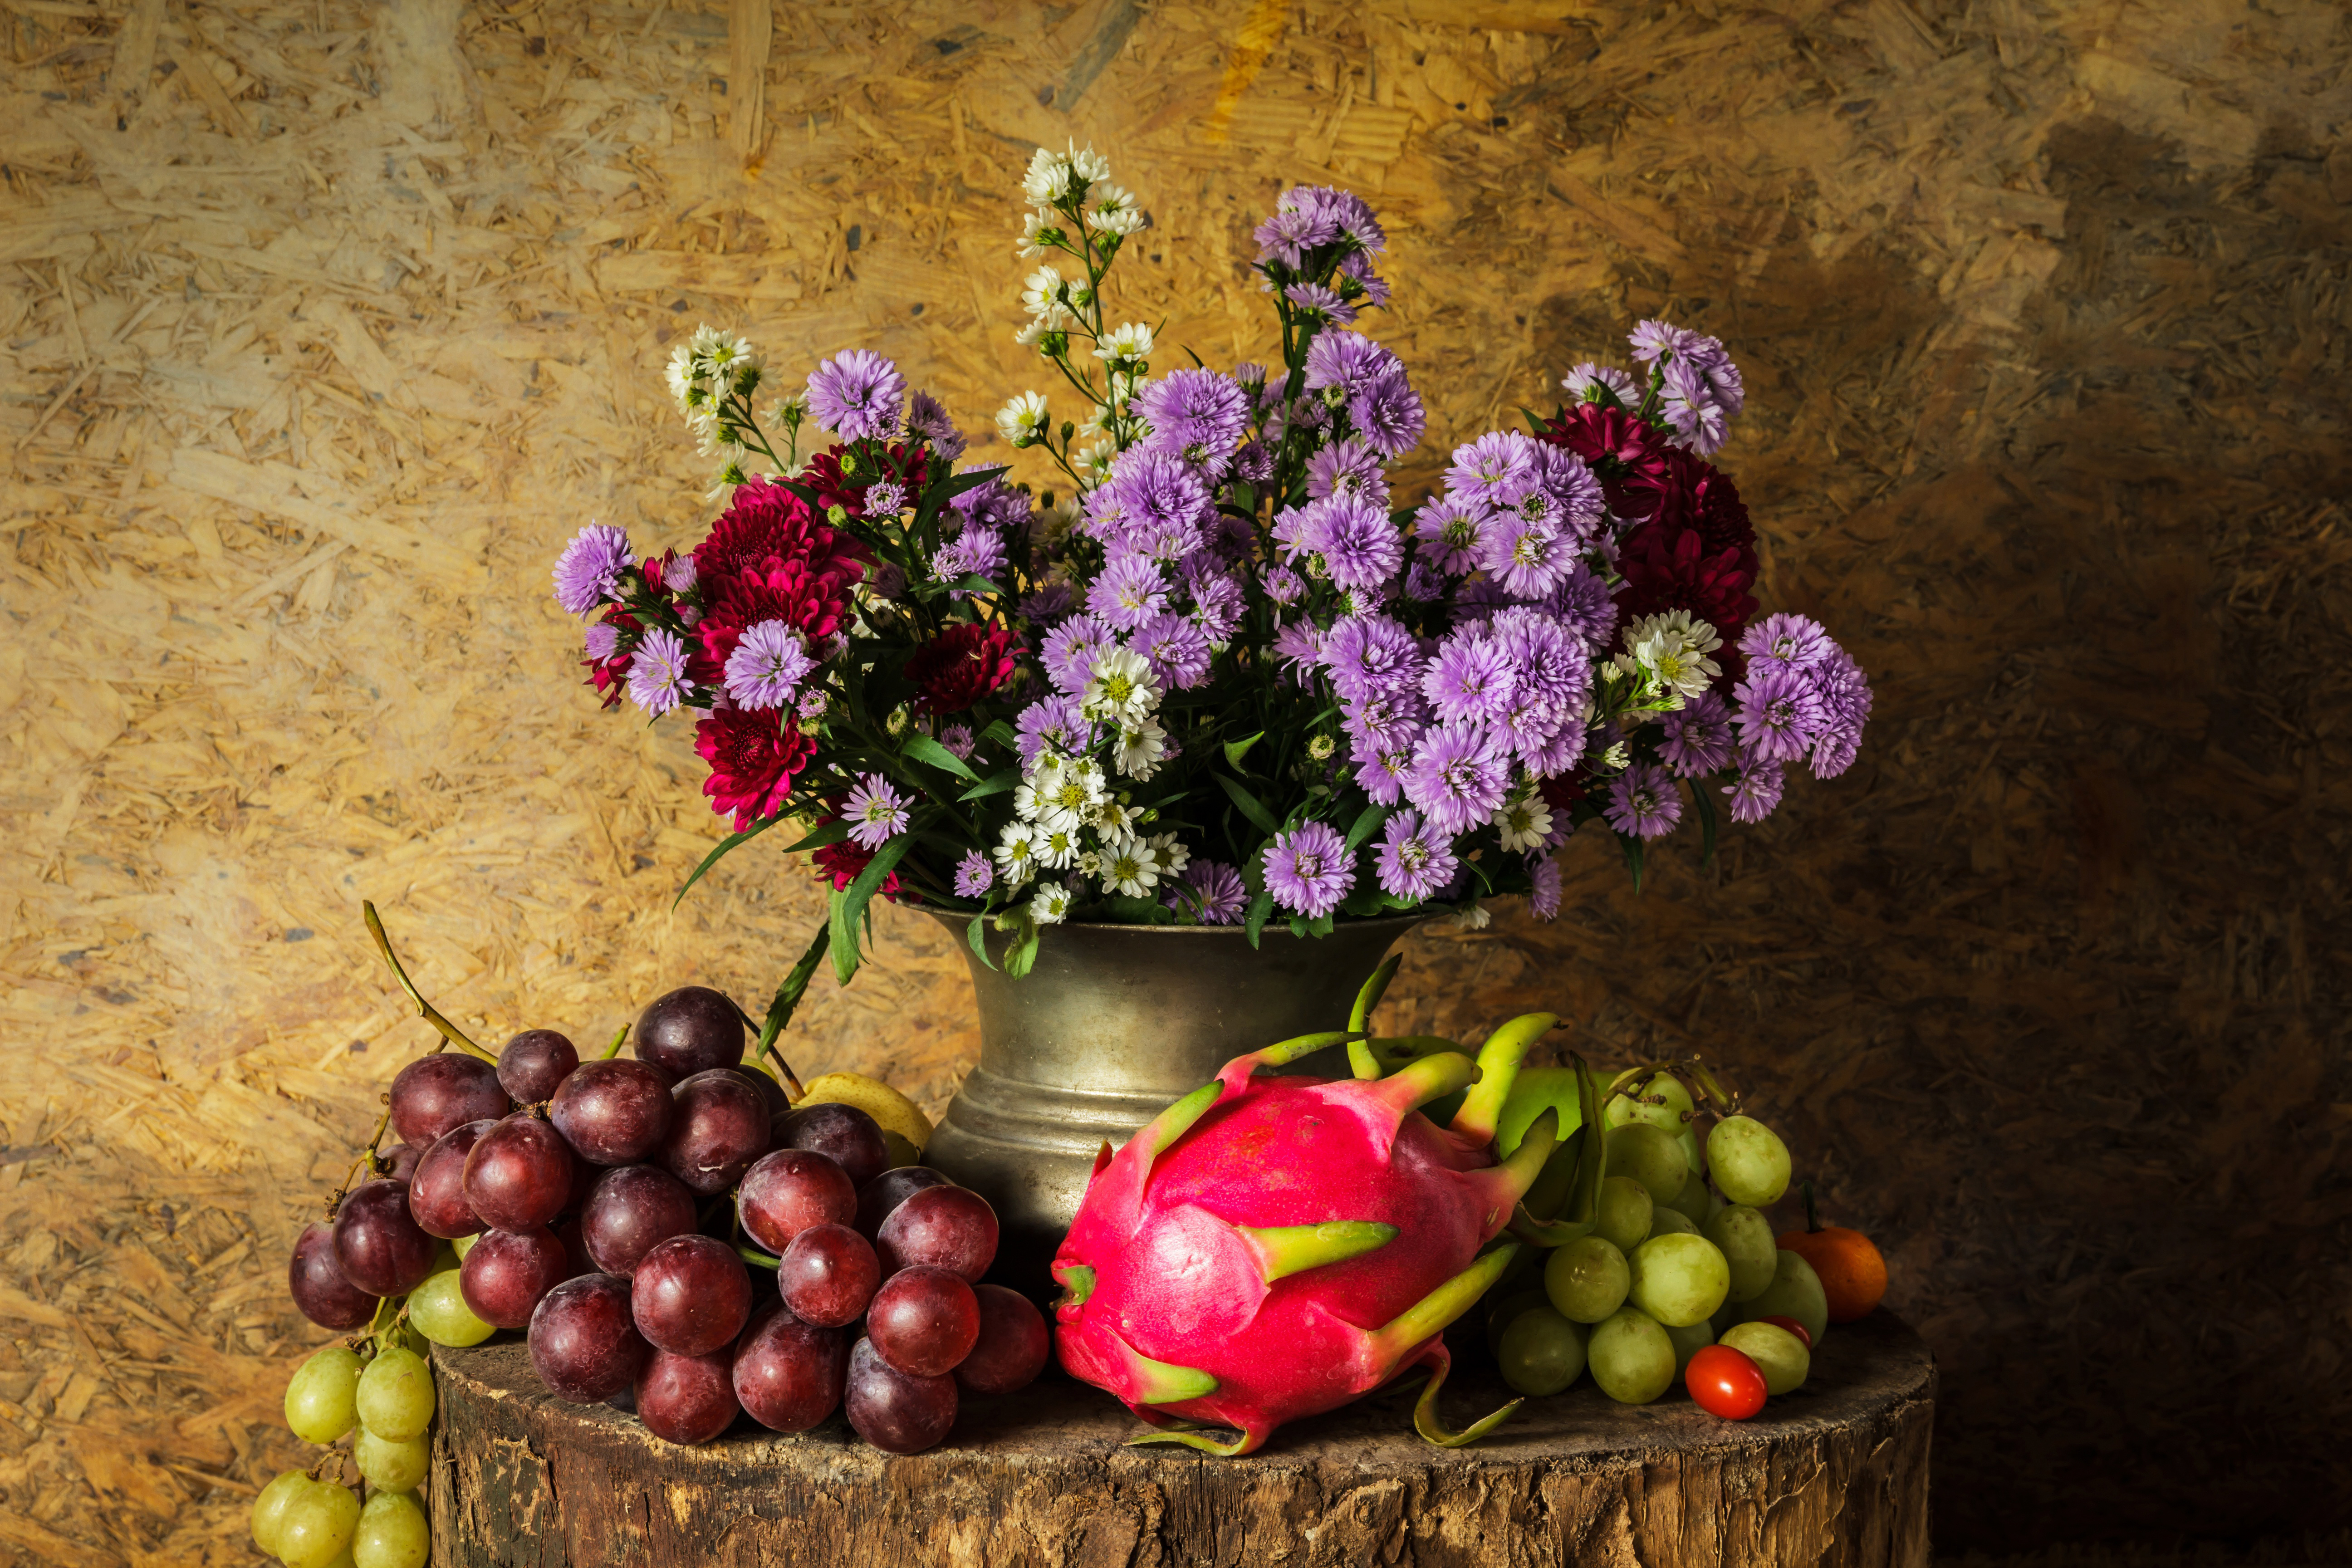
1213 673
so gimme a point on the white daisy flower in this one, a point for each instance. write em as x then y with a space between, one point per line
1016 854
1115 822
1125 344
1139 748
1132 869
1042 290
1675 644
1116 212
1172 857
1471 917
1094 461
1087 165
1524 822
1038 230
1058 847
1051 905
1047 178
1023 420
1120 687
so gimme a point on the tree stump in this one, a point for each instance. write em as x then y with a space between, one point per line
1834 1474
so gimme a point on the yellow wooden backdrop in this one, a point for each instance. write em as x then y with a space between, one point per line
322 326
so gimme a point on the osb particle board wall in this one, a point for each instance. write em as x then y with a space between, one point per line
325 324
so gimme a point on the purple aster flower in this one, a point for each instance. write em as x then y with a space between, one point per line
1755 794
1655 340
657 680
811 703
1498 467
1588 383
1528 555
874 812
1198 412
1797 641
1779 714
1070 651
928 421
678 573
1048 604
1299 644
975 553
1130 590
957 739
1153 499
1286 236
1360 546
1552 665
1388 414
1413 860
1582 603
975 876
1687 400
1349 360
1643 801
1845 696
1253 463
1453 530
1543 897
1217 605
856 395
1057 720
1281 584
1548 755
1177 650
1212 894
589 571
1380 721
1338 213
1471 678
1423 584
1697 736
603 641
1458 778
1370 653
767 666
1358 267
1293 525
887 580
1345 467
1309 870
1314 299
885 498
1249 375
1574 491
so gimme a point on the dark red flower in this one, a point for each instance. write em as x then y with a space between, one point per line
753 757
811 600
842 862
766 521
822 475
610 677
1670 568
1617 446
1565 791
961 666
1684 491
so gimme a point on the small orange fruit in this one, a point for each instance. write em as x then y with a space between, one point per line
1852 1274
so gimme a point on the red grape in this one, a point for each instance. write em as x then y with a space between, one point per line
583 1342
923 1321
576 1260
1725 1382
613 1112
686 1398
520 1175
771 1093
318 1288
842 1133
630 1210
692 1030
886 1192
437 1191
377 1246
534 1063
788 1374
509 1272
946 1227
828 1275
1014 1343
897 1413
719 1128
433 1094
691 1295
785 1192
1805 1335
397 1164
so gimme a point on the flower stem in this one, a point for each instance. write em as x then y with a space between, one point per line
424 1010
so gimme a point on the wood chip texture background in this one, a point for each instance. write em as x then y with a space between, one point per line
322 325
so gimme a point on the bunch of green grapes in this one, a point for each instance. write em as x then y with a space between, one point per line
375 1389
1674 1251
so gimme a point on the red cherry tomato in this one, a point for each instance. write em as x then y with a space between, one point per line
1793 1326
1724 1382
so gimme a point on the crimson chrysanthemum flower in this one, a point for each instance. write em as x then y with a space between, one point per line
1615 445
821 476
810 599
840 863
768 521
961 666
610 676
1684 491
753 759
1670 568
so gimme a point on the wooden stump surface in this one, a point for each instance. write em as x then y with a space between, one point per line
1836 1474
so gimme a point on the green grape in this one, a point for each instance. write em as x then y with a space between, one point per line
1725 1316
1586 1279
319 1396
1648 1154
1625 1208
396 1394
1747 1161
1689 1340
1503 1310
392 1533
1795 1292
441 1315
1779 1354
1634 1104
1677 1280
392 1467
1671 1222
465 1244
316 1525
1632 1358
270 1507
1745 1238
344 1561
1542 1353
1693 1201
1691 1155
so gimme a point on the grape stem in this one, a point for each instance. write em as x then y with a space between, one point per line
615 1048
757 1258
424 1010
1812 1215
366 1156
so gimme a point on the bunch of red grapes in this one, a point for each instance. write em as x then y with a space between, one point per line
599 1205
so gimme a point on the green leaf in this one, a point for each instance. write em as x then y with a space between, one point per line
1705 805
1023 955
1633 848
1253 922
1237 749
971 481
932 754
1367 822
849 904
1138 912
832 833
1368 900
1298 927
1002 735
1251 807
994 783
976 934
1319 926
787 995
726 847
973 583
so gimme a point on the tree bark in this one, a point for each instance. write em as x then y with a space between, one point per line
1836 1474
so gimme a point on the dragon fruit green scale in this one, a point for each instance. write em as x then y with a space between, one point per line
1270 1248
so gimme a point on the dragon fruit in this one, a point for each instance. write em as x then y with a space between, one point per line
1270 1248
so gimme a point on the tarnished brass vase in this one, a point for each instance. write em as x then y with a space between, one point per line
1113 1023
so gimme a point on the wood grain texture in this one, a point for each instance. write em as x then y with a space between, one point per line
1835 1475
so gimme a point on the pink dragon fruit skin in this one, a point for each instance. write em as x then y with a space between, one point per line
1271 1248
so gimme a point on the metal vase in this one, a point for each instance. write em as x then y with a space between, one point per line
1113 1023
